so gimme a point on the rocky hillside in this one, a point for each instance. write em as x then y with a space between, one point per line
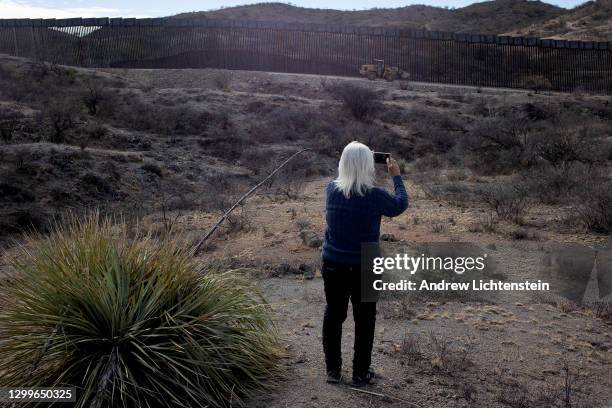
590 21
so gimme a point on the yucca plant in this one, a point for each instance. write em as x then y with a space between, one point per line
132 322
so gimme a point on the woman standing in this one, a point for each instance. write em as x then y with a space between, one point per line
353 211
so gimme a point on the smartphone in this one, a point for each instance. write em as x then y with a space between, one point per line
381 158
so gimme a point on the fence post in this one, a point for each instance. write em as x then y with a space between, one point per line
15 46
34 44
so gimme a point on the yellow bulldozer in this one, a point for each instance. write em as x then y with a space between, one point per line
380 70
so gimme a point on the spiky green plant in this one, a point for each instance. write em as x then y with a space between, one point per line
132 322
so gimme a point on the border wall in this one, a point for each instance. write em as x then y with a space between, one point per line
429 56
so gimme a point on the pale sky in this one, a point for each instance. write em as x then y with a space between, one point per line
159 8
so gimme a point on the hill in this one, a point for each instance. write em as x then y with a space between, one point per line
490 17
590 21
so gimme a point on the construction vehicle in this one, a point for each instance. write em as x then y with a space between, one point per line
379 70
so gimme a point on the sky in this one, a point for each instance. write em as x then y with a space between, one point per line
159 8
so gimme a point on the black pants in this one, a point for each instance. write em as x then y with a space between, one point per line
341 283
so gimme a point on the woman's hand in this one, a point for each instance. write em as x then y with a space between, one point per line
393 167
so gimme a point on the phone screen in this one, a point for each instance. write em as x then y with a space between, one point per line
380 157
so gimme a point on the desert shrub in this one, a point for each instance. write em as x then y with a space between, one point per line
602 310
97 98
500 144
223 80
536 112
184 121
446 356
514 394
601 109
508 202
7 128
562 146
60 117
240 220
40 81
132 322
412 351
258 107
320 128
523 234
537 83
223 119
94 183
434 141
486 223
290 182
153 168
179 120
291 123
593 206
394 114
332 140
38 70
15 193
64 75
17 221
21 155
455 193
95 131
438 226
228 145
362 102
483 107
303 224
426 119
555 185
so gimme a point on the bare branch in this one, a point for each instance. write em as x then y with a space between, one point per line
244 197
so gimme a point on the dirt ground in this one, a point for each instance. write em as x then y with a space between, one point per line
517 349
512 347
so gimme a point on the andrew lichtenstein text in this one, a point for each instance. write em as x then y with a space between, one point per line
458 265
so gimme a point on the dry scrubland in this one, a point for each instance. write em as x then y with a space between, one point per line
511 171
589 21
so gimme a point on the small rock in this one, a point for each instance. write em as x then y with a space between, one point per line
285 269
388 237
311 239
281 269
307 270
603 346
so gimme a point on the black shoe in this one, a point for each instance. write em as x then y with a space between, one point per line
359 380
334 376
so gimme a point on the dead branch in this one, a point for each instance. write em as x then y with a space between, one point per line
243 198
377 394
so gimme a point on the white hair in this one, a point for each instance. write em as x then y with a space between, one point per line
355 170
